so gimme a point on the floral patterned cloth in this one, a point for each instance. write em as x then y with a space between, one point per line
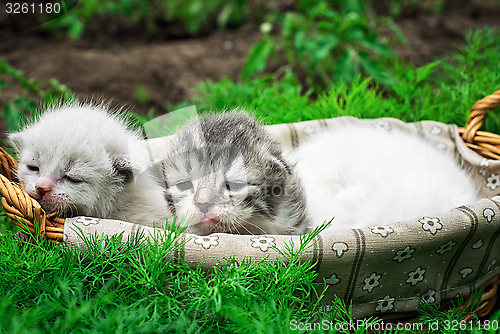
380 269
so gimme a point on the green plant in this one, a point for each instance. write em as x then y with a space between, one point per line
447 322
31 95
324 43
142 94
196 13
397 6
442 91
116 285
89 14
86 15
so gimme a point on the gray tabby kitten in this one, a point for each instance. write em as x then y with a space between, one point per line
228 175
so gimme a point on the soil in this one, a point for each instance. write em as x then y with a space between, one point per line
169 63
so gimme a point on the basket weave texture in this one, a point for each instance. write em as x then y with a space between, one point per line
385 270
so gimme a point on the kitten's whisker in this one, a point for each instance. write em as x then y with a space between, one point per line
243 226
244 221
237 223
255 225
69 208
227 226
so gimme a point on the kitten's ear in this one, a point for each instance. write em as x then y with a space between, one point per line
124 167
17 141
278 160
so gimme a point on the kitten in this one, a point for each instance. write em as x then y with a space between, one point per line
75 159
365 176
228 175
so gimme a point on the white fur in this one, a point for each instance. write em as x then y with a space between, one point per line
88 144
365 176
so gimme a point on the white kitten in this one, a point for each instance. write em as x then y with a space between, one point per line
75 159
365 176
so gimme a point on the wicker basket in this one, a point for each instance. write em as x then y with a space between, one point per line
344 259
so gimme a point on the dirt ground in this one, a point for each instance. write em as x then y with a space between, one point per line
169 66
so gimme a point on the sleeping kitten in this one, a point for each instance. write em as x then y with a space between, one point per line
365 176
228 175
75 159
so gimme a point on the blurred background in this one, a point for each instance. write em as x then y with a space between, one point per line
288 60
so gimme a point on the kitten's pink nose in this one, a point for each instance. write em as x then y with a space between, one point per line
204 207
44 184
204 200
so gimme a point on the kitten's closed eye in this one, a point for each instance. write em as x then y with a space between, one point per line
72 180
184 185
234 186
33 168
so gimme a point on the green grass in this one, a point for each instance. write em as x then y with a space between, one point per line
443 91
116 287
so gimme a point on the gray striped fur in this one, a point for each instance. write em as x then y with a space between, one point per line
211 158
